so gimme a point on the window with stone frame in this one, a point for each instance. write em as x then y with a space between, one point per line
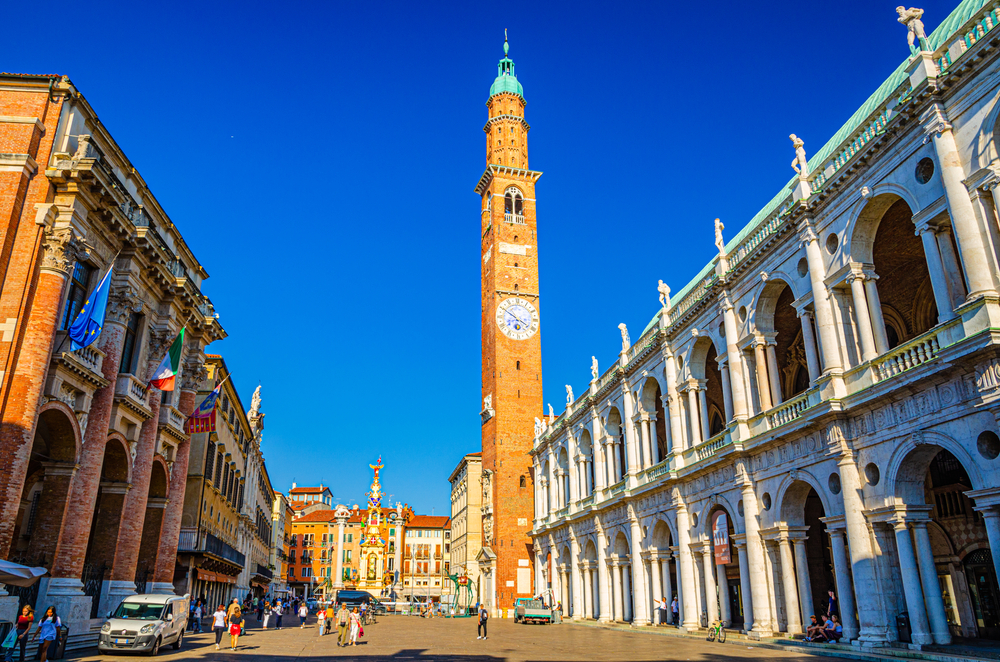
130 346
78 285
210 461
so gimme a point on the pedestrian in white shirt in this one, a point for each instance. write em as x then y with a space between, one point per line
219 625
303 613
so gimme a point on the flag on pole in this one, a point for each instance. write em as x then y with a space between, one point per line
163 376
87 326
203 419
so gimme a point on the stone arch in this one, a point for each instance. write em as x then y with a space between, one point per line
716 502
704 365
908 465
117 466
620 547
615 429
159 478
792 492
866 216
60 431
777 320
590 549
661 535
651 402
984 148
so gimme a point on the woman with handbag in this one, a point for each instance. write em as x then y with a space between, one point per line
235 626
21 630
355 626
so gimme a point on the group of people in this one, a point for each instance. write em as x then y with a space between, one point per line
231 618
47 631
661 606
350 623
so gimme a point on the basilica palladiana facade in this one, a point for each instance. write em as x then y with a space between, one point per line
817 409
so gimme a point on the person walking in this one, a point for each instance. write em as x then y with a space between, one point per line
328 617
23 628
355 626
235 626
484 616
303 613
219 624
277 615
48 628
197 617
258 605
267 612
343 621
673 610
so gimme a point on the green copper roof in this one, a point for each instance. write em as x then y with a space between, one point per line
506 80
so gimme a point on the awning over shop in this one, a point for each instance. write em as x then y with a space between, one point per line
209 576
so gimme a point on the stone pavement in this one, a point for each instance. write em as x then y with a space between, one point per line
454 640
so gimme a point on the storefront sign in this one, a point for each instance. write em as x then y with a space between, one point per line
720 538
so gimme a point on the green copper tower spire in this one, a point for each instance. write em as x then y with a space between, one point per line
506 80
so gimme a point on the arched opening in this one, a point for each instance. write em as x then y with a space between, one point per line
547 485
563 477
591 586
969 594
785 347
587 474
513 205
156 502
107 519
44 498
620 567
660 542
616 434
652 420
707 381
802 510
729 596
565 578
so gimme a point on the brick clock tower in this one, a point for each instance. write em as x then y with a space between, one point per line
512 354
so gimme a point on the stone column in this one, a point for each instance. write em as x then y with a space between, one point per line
341 519
706 429
722 586
745 590
647 460
952 270
788 583
875 312
641 609
911 584
654 440
809 340
939 282
679 583
668 589
825 322
574 568
711 597
738 396
804 582
755 563
699 585
971 243
763 385
71 553
672 406
618 587
27 376
772 371
603 579
631 443
697 434
685 570
991 519
932 589
861 316
873 627
727 389
656 584
845 588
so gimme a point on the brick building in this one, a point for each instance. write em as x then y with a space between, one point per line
511 345
281 527
84 444
817 407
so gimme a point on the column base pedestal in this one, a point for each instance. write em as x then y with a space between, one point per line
66 595
112 593
639 622
9 607
162 587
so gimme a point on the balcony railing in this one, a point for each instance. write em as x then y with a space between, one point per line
172 417
709 448
916 352
264 571
191 542
132 391
517 219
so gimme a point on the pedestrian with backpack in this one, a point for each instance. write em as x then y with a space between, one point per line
484 616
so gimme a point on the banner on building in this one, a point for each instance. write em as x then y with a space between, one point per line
720 538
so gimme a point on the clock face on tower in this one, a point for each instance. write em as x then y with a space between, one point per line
517 318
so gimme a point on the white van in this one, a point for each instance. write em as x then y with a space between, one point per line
143 623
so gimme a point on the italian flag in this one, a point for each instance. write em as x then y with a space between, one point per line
163 376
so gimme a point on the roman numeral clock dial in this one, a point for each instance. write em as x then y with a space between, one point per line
517 318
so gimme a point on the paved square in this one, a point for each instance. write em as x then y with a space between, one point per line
454 640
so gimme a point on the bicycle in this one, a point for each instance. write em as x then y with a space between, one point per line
717 631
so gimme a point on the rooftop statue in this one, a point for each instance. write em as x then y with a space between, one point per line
552 414
593 367
569 394
538 426
800 164
719 241
664 291
255 403
914 27
626 342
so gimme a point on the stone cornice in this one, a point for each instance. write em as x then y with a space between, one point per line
506 172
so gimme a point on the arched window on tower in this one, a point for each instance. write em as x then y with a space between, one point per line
513 206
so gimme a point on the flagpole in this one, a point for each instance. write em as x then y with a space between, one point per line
111 268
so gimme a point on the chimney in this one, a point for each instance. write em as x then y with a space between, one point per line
293 486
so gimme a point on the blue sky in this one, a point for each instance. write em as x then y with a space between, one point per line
320 160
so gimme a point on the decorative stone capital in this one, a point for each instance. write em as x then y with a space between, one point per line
725 303
60 249
123 300
806 232
935 121
194 375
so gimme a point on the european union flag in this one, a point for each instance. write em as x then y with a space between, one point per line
89 321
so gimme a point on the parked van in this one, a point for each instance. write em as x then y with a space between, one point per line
143 623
